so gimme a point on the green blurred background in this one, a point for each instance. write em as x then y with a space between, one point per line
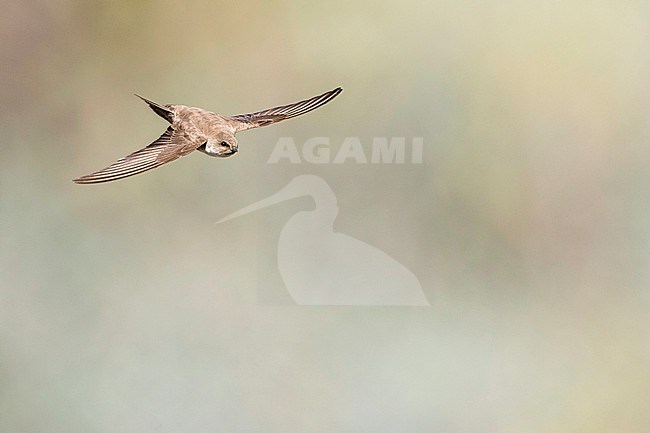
124 308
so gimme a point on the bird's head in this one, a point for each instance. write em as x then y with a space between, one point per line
222 145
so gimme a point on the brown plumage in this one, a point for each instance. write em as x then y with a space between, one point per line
197 129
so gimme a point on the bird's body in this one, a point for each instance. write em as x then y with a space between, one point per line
193 128
202 125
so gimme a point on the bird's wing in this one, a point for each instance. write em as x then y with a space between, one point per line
276 114
170 146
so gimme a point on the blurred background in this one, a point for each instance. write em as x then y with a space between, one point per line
123 307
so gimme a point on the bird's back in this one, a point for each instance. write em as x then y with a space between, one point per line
205 121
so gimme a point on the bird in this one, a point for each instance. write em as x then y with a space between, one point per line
320 266
193 128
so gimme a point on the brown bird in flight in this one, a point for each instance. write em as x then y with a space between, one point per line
197 129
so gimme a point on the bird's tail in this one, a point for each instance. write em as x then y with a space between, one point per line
160 110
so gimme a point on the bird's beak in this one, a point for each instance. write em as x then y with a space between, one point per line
287 193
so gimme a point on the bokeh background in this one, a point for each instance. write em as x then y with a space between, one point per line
124 308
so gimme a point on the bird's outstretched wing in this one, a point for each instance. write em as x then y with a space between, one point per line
276 114
170 146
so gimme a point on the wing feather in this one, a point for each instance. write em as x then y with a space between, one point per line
283 112
168 147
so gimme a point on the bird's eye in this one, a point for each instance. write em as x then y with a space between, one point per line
224 144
